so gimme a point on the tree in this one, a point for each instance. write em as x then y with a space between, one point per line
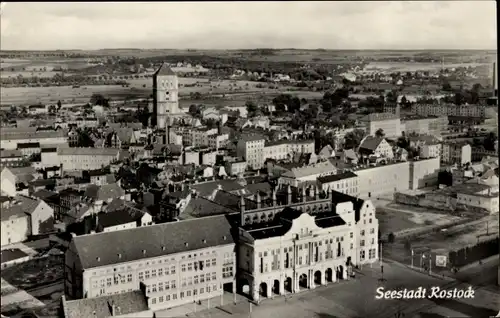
391 237
100 100
380 133
446 86
52 109
59 105
353 138
251 108
489 141
194 110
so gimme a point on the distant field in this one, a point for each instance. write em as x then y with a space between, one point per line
412 67
14 67
139 88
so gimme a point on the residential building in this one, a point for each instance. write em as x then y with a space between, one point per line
296 176
345 182
430 150
217 141
11 138
326 152
431 125
14 180
302 245
449 110
87 158
375 146
235 167
251 148
122 219
286 149
456 153
49 157
376 181
25 216
11 158
389 123
29 148
128 304
171 263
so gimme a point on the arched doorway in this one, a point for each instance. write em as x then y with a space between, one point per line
276 287
317 278
288 284
303 281
244 287
340 272
263 289
329 275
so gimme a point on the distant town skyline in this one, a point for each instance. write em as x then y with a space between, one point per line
398 25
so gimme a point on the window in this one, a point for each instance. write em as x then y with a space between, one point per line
160 286
362 232
108 281
208 289
182 294
174 296
214 287
201 290
115 279
214 262
184 282
153 301
147 274
160 271
172 269
123 279
202 278
362 255
190 266
160 299
362 243
153 273
172 284
372 231
154 288
352 246
351 235
196 279
129 278
207 263
188 293
183 267
214 276
167 285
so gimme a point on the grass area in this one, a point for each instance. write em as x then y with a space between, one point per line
391 221
36 272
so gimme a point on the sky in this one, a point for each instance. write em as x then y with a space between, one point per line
246 25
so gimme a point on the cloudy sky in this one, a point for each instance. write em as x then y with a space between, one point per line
231 25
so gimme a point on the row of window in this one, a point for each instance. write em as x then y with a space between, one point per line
372 254
199 265
188 293
116 280
147 274
197 279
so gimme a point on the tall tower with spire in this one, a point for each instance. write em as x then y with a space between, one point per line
165 96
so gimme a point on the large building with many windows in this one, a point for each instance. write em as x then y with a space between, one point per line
171 263
290 241
301 241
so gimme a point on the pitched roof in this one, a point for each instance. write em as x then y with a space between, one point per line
88 152
22 206
371 143
337 177
118 217
207 188
201 207
100 307
317 168
110 191
10 153
152 241
164 70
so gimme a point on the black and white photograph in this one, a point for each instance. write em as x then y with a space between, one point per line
249 159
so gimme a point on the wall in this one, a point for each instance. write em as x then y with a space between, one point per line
384 179
424 173
119 227
16 229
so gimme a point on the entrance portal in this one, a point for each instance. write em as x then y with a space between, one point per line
317 278
303 281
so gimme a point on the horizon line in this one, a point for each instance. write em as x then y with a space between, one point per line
245 49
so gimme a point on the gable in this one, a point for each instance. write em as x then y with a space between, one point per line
303 222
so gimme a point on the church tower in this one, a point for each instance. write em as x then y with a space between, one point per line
165 96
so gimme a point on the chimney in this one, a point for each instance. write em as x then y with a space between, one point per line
274 197
242 210
316 192
304 194
258 200
289 190
168 134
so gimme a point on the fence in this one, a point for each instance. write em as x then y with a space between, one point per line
475 253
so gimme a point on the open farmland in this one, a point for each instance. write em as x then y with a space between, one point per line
412 66
15 65
139 88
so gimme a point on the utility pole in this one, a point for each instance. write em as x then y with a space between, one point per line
411 258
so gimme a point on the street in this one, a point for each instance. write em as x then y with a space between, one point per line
356 298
